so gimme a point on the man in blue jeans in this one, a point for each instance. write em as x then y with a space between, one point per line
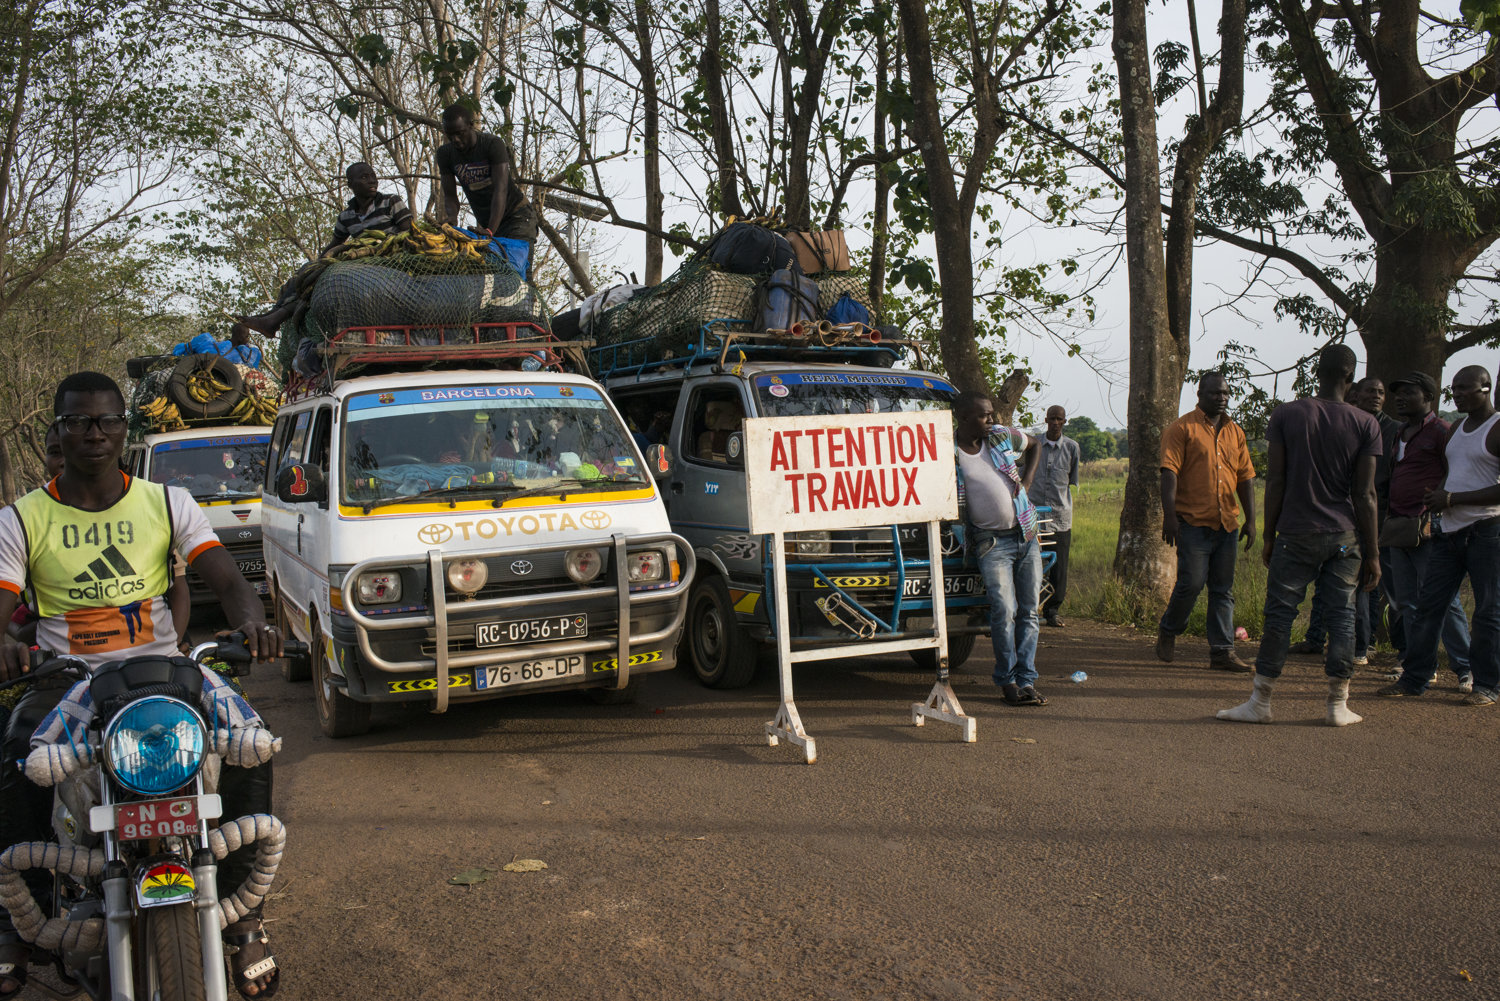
1206 480
1320 528
1000 535
1465 542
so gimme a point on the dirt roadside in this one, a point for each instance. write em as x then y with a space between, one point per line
1119 843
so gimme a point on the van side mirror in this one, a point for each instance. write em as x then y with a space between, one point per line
659 461
734 450
301 483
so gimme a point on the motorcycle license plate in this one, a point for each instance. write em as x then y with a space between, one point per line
961 585
156 818
521 672
554 627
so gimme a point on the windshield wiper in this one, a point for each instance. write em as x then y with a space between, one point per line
450 492
580 486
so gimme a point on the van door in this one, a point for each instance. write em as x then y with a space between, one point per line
282 523
710 506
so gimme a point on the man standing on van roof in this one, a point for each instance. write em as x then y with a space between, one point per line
483 165
1000 535
1205 465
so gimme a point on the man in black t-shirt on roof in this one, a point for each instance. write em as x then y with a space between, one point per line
483 165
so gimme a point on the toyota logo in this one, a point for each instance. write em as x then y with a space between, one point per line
594 519
246 534
521 568
435 534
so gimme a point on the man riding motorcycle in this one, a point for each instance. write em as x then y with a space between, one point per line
95 547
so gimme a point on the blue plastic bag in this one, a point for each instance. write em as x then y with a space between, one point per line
848 310
517 253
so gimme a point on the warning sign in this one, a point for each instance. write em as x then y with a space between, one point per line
849 471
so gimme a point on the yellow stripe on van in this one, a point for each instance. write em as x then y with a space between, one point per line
541 500
228 503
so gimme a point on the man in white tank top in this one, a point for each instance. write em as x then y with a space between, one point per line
1465 543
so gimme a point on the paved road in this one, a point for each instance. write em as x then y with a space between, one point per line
1138 848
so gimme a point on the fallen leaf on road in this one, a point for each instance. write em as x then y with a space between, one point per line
1024 740
470 877
1465 974
546 802
525 865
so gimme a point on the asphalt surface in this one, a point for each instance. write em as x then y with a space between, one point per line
1118 843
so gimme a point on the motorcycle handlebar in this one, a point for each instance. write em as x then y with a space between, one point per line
231 649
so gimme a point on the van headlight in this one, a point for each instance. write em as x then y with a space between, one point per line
583 565
646 566
378 587
810 544
154 745
467 576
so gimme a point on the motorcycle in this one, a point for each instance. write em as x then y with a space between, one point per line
134 767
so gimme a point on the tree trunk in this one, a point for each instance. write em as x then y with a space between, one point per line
880 218
1156 363
1405 328
719 112
8 489
950 229
651 136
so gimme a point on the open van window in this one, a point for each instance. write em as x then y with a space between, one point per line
805 394
229 468
489 439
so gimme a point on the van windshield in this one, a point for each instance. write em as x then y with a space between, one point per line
820 394
491 439
229 468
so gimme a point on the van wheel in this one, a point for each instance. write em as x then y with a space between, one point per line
292 668
338 714
959 648
616 696
721 654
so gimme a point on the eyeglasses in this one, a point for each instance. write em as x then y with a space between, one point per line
80 423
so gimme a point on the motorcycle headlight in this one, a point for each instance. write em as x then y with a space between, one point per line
155 745
583 565
379 588
467 576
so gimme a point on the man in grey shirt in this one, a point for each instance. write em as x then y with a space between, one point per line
1056 474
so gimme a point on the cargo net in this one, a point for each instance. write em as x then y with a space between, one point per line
442 280
673 314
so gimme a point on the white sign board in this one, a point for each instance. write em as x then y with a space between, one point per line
849 470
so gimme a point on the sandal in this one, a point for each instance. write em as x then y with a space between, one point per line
250 958
15 957
1033 697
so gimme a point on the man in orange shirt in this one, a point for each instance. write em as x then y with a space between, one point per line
1204 467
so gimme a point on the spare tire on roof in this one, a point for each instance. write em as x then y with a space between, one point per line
213 377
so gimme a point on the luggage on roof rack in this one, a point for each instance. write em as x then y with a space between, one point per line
409 347
718 346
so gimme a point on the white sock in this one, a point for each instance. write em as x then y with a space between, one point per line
1339 713
1258 709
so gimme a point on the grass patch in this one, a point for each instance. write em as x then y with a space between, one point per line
1095 593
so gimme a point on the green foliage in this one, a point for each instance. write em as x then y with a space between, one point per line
1093 444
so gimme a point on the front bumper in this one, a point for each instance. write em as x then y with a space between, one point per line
431 653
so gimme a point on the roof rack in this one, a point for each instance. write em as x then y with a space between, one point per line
718 341
413 347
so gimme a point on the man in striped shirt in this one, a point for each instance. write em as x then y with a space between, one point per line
368 209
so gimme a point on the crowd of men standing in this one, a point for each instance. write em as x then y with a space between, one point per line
1381 517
